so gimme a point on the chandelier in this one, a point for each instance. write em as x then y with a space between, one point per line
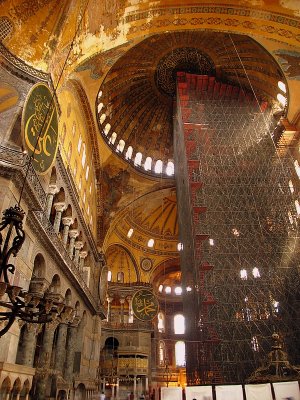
16 303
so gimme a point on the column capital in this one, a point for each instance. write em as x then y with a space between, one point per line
53 189
67 221
109 299
73 233
83 254
60 206
78 245
122 300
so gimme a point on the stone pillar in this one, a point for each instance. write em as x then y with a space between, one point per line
109 300
82 257
130 312
29 343
134 386
122 300
60 353
70 353
73 235
78 246
67 221
53 189
59 208
117 388
46 350
147 384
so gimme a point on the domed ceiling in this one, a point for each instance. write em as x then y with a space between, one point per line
135 101
153 216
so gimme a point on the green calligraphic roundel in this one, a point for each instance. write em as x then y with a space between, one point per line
145 305
40 127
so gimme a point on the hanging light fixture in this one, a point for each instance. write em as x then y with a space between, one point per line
14 301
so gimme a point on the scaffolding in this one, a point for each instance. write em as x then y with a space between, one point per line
238 226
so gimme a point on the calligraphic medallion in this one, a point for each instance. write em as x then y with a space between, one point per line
40 127
145 305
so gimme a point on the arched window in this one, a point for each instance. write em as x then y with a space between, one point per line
148 164
107 129
162 352
282 86
79 144
138 159
281 99
83 155
150 243
170 168
297 205
180 354
102 118
100 94
100 106
69 153
113 138
297 168
243 274
120 146
158 167
291 186
87 172
109 276
128 154
179 324
161 322
120 277
130 232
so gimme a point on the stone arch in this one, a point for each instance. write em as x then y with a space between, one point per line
25 389
16 389
80 392
55 285
68 297
39 267
53 177
77 308
5 387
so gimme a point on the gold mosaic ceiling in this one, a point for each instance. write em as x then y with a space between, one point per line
137 93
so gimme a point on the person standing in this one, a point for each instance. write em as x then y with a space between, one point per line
102 396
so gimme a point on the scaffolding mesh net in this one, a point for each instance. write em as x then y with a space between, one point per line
238 226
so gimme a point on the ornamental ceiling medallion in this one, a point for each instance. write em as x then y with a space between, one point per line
40 127
186 59
145 305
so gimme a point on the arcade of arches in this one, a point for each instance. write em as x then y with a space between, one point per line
177 172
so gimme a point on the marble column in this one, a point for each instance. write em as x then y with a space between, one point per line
59 208
53 189
122 300
130 311
67 222
82 257
134 386
60 353
70 353
117 388
73 235
109 300
45 355
78 246
29 343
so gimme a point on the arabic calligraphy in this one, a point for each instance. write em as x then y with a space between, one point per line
40 124
145 305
